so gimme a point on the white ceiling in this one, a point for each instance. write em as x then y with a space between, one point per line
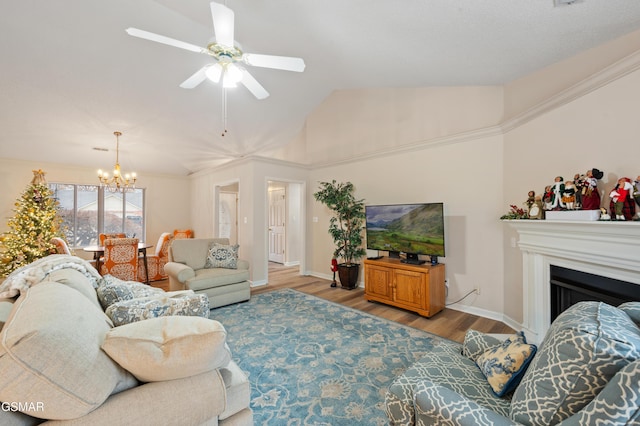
71 76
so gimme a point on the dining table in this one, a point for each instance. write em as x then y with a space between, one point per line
98 252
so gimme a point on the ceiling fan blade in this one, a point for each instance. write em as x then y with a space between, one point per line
252 84
222 24
197 78
286 63
164 40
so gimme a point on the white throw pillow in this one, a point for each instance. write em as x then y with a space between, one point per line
168 348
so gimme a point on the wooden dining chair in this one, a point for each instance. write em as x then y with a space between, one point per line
156 261
120 258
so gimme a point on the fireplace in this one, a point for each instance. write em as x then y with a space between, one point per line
568 287
609 251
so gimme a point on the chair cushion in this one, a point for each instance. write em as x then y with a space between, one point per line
222 256
167 304
505 364
168 348
216 277
445 366
50 353
584 348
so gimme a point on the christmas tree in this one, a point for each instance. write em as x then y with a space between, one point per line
35 223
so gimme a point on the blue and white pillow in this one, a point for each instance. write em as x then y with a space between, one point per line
504 365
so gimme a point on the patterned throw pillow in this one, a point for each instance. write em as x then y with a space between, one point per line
476 343
504 366
184 302
222 256
112 290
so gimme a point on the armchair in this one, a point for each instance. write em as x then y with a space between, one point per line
187 270
120 258
156 261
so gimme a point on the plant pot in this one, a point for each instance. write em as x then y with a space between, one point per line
349 275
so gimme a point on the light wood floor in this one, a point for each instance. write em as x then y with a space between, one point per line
448 323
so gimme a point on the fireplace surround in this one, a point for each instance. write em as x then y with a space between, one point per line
605 249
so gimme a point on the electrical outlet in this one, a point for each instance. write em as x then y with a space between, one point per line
477 289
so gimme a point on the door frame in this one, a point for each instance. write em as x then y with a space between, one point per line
302 223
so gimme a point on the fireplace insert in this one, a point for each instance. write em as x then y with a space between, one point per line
569 287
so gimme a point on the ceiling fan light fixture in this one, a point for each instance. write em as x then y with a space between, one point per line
232 76
214 72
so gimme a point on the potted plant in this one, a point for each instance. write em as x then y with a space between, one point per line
345 227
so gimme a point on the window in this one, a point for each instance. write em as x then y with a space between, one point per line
88 210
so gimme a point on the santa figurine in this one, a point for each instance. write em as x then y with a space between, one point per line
619 196
334 269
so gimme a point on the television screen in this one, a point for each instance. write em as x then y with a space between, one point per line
414 229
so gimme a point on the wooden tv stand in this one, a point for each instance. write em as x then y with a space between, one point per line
417 288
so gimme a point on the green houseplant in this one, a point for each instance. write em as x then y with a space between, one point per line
345 227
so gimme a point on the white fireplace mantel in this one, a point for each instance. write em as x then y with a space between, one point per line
610 249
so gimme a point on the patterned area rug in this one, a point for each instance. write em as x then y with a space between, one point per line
315 362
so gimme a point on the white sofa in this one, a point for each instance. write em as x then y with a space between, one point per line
56 365
186 271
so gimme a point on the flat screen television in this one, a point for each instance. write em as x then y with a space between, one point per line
413 229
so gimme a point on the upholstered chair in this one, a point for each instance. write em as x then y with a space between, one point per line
182 233
156 261
61 245
120 258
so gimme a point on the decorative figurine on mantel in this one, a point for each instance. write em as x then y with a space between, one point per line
569 195
558 189
536 211
622 204
590 195
636 195
530 199
547 198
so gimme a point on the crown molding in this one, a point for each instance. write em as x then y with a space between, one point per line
607 75
611 73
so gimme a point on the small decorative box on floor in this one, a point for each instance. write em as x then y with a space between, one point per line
582 215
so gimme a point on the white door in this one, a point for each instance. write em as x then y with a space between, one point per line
228 216
277 221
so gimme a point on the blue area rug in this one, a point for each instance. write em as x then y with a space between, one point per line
315 362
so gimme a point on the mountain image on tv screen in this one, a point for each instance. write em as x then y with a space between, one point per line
408 228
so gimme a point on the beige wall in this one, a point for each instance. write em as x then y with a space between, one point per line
252 175
167 197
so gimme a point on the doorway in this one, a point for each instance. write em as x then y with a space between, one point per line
277 222
285 219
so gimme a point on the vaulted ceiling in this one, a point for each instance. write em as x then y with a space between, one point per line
71 75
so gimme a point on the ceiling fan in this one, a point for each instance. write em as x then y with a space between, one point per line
227 54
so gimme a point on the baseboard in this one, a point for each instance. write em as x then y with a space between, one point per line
496 316
296 263
257 283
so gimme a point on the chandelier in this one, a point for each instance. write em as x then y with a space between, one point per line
117 182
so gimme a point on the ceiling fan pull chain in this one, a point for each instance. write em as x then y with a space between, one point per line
224 110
